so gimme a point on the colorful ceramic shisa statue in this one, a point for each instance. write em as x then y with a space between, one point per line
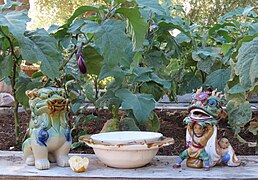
202 147
48 138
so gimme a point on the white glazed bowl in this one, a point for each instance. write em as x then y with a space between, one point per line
126 149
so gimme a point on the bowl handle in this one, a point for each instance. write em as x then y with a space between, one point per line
163 141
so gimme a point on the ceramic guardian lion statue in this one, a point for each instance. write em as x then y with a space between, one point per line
48 138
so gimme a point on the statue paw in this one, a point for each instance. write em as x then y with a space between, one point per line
62 161
42 164
206 168
30 160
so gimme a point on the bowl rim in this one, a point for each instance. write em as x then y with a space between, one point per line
126 137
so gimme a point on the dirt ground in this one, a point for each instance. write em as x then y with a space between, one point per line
171 126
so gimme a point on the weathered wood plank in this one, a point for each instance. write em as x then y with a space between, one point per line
13 167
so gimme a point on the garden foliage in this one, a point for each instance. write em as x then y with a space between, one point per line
145 49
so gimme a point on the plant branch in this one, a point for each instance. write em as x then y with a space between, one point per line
13 83
109 15
203 76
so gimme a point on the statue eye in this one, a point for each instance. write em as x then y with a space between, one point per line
212 102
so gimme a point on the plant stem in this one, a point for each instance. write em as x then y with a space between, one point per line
16 103
74 51
95 80
115 111
16 121
203 76
13 82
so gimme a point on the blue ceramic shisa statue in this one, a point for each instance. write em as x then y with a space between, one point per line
203 150
48 138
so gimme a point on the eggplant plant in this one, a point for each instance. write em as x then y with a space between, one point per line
120 40
134 43
224 56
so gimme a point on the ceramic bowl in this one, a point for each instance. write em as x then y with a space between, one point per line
126 149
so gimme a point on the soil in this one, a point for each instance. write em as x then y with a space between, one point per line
171 126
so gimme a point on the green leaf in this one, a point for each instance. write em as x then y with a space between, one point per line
38 46
76 145
218 79
246 39
15 21
22 85
7 64
219 26
75 26
152 88
155 59
53 28
82 132
247 64
141 104
75 107
253 29
153 123
182 38
165 83
89 91
120 1
174 24
9 4
93 60
136 60
116 72
137 25
128 124
113 43
247 10
189 82
151 5
226 35
239 114
90 27
89 118
225 48
146 75
236 12
236 89
66 41
79 11
77 119
108 99
206 58
142 74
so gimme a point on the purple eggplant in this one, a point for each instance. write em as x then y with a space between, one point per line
82 65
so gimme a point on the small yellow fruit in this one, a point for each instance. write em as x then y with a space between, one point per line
78 164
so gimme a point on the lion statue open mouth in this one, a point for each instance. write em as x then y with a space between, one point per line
48 137
206 106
